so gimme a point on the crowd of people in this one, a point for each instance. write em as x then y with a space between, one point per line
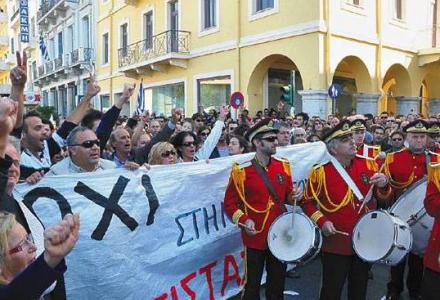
88 140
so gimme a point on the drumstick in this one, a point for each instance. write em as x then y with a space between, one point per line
370 192
289 233
342 232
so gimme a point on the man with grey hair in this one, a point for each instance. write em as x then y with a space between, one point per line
84 154
283 134
299 135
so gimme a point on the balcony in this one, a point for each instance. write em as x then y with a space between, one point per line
70 64
4 66
5 89
50 10
169 48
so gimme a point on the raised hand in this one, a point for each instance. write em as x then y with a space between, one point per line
60 239
126 95
92 87
223 113
18 74
8 115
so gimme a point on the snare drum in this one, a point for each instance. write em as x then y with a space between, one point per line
409 208
298 245
379 237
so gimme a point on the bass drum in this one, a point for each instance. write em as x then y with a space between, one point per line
298 245
409 208
379 237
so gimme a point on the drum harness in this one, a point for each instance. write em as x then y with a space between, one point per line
270 188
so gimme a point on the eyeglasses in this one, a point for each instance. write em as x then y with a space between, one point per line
204 133
397 140
199 120
189 144
88 144
168 153
28 240
270 139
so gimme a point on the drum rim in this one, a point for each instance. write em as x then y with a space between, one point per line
353 234
313 226
411 188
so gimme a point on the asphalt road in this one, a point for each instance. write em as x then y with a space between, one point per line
308 279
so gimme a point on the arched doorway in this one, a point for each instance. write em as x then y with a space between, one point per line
430 92
268 77
396 83
352 74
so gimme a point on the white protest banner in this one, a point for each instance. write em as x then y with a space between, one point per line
161 234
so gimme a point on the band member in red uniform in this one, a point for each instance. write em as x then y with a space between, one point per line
404 168
431 260
333 206
254 198
359 126
433 142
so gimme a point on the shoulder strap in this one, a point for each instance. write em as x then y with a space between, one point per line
267 183
346 178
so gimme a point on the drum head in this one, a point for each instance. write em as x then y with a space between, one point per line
373 236
291 249
410 203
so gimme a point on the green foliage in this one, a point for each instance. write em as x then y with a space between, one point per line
47 111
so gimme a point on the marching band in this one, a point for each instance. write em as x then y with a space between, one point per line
368 206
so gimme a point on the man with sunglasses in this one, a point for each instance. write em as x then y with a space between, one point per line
397 140
330 201
84 154
254 198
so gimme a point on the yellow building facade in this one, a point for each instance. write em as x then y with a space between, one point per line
5 86
193 54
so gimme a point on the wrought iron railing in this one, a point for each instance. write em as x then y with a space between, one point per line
40 71
58 63
49 66
81 55
171 41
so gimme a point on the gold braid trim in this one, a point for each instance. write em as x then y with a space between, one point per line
237 215
318 176
238 177
316 216
372 165
434 174
395 184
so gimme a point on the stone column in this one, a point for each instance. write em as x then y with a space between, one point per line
434 106
366 103
69 99
316 103
406 105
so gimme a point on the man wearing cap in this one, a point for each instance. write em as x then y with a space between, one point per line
359 128
433 138
339 210
254 198
404 168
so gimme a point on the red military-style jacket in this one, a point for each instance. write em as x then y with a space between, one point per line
432 205
247 197
328 198
404 168
371 152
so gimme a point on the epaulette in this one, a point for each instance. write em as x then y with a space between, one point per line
244 164
281 159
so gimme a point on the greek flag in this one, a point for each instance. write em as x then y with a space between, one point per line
140 106
43 49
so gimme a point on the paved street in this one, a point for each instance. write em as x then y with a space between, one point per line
308 282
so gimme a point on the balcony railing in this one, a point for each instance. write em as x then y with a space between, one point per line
171 41
47 5
64 64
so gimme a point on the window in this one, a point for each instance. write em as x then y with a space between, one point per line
214 92
165 97
105 102
105 48
12 45
148 30
263 5
86 32
123 33
60 44
209 18
356 2
398 9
